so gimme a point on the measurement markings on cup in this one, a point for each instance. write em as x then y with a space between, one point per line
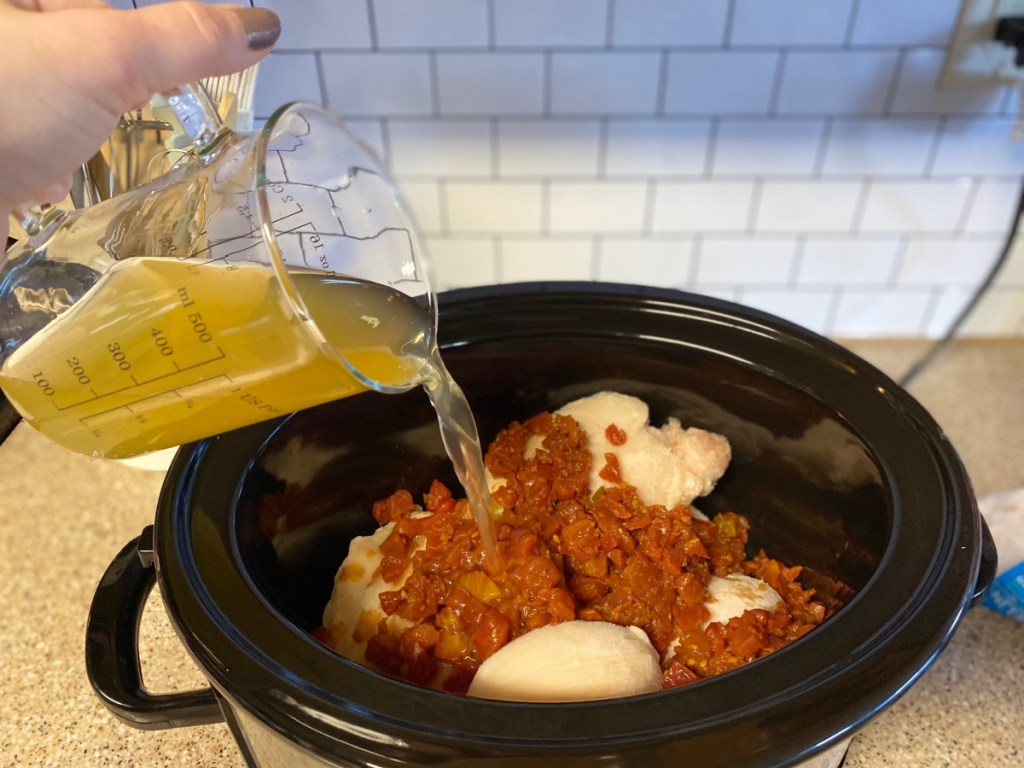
178 369
181 393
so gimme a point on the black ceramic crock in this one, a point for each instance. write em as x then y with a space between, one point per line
836 467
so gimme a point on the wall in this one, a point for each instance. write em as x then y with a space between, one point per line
795 155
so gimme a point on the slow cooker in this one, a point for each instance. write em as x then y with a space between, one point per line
836 467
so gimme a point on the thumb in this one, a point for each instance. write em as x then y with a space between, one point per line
178 42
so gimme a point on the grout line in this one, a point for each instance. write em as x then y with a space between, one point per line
609 30
898 262
851 24
499 260
930 310
320 79
603 131
754 210
545 207
547 97
968 207
494 131
776 93
435 84
832 311
730 18
694 117
709 158
695 257
894 83
689 278
703 175
662 90
703 48
933 150
1004 108
443 208
385 141
860 207
492 26
650 201
798 261
818 170
992 238
371 23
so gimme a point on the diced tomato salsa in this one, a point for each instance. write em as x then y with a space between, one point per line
568 555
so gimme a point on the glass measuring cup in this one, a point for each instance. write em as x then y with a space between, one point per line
272 271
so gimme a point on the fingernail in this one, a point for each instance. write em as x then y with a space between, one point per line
262 27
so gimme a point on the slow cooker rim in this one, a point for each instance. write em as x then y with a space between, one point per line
188 462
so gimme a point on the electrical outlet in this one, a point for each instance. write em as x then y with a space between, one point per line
975 57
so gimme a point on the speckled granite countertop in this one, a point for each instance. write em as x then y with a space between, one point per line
63 517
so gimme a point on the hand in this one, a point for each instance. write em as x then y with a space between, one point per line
70 68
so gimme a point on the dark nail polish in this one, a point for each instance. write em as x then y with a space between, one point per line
262 27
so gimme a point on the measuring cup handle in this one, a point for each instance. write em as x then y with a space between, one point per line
198 117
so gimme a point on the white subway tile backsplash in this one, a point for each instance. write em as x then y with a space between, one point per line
463 262
1012 273
601 206
863 261
745 261
946 304
883 22
371 132
993 207
378 83
680 22
917 89
612 82
999 312
541 23
548 147
440 147
720 82
490 83
706 206
807 206
879 147
547 259
790 22
947 262
500 207
318 24
438 23
424 201
967 147
656 147
836 82
915 206
807 308
794 155
865 312
663 262
285 77
756 147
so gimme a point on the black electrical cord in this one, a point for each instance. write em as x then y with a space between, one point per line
954 328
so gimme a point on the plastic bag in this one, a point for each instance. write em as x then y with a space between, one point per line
1004 513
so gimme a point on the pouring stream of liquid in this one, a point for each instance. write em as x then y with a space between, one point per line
462 442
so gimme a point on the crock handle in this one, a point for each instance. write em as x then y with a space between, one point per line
112 651
989 563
